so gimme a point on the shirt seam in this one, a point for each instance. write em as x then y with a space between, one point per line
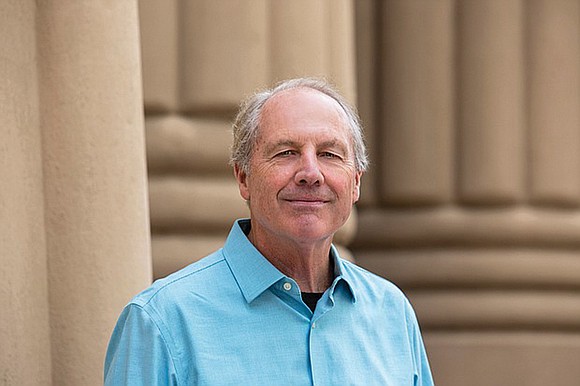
412 322
176 280
362 270
167 345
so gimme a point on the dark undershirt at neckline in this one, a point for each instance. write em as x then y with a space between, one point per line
311 298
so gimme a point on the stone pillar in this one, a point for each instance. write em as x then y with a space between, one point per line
474 208
554 97
94 176
490 102
416 112
218 53
24 324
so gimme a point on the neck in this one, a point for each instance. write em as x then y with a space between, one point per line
309 264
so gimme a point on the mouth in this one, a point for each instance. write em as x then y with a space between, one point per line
306 199
306 202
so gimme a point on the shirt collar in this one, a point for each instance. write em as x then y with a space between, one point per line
255 274
252 271
341 274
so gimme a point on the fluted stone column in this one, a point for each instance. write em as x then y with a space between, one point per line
217 53
474 208
554 100
94 176
490 101
416 113
24 324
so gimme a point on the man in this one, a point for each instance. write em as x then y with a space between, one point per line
277 305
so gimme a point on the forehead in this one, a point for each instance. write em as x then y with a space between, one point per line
303 112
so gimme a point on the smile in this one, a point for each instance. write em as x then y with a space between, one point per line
306 202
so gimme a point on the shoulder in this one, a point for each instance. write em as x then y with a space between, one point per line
368 279
195 276
372 286
379 294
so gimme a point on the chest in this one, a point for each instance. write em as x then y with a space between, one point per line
273 343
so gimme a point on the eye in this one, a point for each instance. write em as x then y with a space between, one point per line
285 153
329 155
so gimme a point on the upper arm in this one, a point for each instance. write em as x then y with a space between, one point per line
423 375
138 353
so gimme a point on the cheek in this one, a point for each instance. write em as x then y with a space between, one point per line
275 176
266 182
343 180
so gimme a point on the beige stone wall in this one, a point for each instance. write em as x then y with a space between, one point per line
472 207
24 310
74 223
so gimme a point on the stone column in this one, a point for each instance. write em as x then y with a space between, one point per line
95 177
554 100
474 211
218 53
416 113
24 324
490 102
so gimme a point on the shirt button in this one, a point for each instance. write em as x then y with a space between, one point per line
287 286
314 325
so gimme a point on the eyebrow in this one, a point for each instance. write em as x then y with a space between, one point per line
289 143
283 143
334 144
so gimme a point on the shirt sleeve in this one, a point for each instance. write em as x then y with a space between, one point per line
138 353
423 376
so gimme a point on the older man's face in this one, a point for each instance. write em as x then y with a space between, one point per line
302 181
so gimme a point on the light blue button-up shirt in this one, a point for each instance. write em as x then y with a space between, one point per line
232 318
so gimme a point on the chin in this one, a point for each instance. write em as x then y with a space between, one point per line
311 230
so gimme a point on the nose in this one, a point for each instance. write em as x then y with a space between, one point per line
309 172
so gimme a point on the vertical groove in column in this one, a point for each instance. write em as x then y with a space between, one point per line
299 39
491 101
97 222
224 53
24 325
341 46
160 54
417 102
554 97
314 38
368 70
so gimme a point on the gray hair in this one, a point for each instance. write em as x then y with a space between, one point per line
247 122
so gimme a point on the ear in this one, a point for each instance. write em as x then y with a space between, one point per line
242 179
356 187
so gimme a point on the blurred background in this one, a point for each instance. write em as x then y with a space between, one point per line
115 132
